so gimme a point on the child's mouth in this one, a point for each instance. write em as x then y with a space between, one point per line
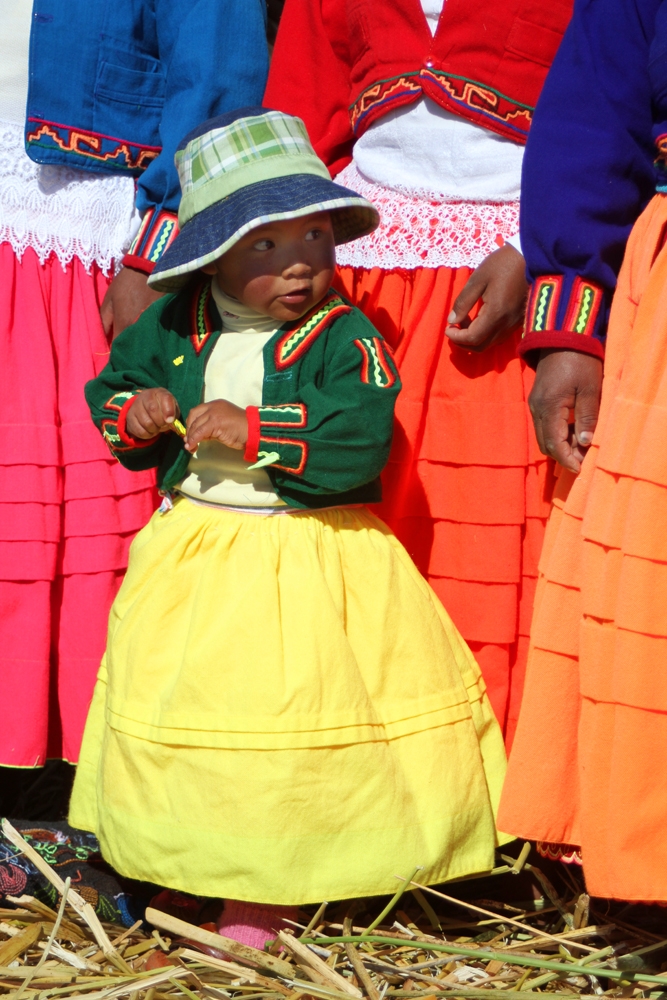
295 298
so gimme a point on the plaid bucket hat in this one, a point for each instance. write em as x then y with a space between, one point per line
240 171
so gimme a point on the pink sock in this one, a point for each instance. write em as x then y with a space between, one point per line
253 923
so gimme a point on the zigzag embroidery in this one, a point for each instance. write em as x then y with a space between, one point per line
585 302
163 241
541 312
283 415
201 325
294 344
373 359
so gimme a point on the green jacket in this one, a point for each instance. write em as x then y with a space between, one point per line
330 387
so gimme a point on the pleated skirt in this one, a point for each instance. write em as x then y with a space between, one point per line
466 489
586 767
68 511
285 714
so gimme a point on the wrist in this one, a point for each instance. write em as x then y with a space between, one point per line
129 430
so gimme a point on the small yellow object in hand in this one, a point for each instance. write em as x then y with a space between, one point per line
265 458
178 427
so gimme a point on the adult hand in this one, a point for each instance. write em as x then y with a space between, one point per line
500 282
218 419
152 412
566 381
126 298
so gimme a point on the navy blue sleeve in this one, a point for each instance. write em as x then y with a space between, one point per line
214 56
588 172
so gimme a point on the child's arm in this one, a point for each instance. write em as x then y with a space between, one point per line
337 435
135 365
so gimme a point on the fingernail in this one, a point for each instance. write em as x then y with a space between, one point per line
170 420
452 316
585 437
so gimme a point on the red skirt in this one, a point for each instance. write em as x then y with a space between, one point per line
466 489
68 511
587 763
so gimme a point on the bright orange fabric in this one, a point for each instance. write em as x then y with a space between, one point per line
586 767
466 489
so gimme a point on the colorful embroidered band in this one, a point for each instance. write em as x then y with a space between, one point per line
471 96
224 160
117 155
584 306
578 330
157 232
543 304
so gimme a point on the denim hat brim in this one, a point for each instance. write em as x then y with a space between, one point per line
212 232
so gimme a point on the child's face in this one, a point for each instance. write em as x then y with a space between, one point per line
281 269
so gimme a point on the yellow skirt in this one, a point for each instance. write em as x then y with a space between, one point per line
286 714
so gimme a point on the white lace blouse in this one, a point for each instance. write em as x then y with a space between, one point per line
447 189
70 213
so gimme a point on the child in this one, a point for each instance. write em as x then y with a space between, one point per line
286 713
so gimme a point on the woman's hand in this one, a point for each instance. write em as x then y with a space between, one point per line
152 412
566 381
500 282
219 420
126 298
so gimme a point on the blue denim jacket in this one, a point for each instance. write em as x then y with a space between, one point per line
115 86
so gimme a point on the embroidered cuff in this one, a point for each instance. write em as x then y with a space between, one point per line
577 330
114 429
158 231
534 342
292 452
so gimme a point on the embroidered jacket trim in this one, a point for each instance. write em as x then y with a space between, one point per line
114 428
300 337
201 320
157 232
85 146
288 415
459 92
375 368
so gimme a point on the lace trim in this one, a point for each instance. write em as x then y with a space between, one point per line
53 209
425 230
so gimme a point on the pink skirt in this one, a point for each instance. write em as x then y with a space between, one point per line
68 510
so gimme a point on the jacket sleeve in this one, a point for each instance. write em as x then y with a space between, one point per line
135 364
309 76
337 435
587 174
215 58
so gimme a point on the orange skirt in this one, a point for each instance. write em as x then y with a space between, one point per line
466 489
592 736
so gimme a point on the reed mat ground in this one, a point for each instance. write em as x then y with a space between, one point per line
515 931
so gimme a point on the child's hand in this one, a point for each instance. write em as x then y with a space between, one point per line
152 412
220 420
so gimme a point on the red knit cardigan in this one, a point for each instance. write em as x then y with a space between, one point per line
342 64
